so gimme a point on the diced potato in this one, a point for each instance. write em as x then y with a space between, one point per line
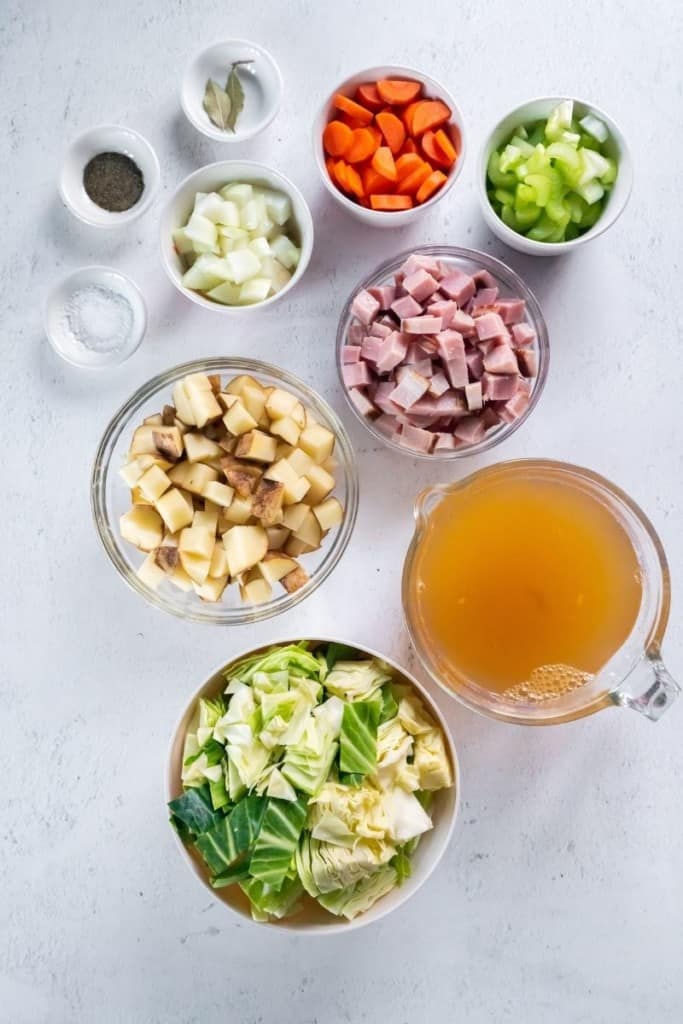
280 403
274 566
238 384
155 420
295 580
268 499
202 399
309 531
150 573
211 590
317 441
254 401
206 517
198 541
286 428
296 547
257 446
196 567
219 562
295 515
329 513
200 449
175 509
296 492
182 404
169 442
256 591
243 476
143 441
282 470
167 557
220 494
138 498
277 537
300 461
240 510
192 476
132 471
321 484
227 400
283 450
180 579
142 527
153 483
244 546
238 420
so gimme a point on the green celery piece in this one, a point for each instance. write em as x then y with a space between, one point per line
358 738
525 147
193 812
389 704
542 187
521 171
232 836
536 133
524 195
571 231
495 175
576 206
588 142
539 162
591 215
267 901
527 214
610 175
507 215
340 652
522 132
505 198
558 211
277 840
219 794
510 158
542 231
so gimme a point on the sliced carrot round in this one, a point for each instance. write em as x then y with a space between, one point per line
393 130
352 108
407 115
390 202
429 114
374 182
411 183
337 138
355 185
368 96
409 146
399 90
445 147
383 163
431 150
407 163
430 185
362 146
340 169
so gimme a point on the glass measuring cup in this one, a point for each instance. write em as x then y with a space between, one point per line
634 676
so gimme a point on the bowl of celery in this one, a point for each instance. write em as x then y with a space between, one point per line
553 174
312 785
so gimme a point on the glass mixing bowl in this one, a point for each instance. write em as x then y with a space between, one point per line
110 497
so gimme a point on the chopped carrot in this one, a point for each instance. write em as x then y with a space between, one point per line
398 91
409 146
364 201
368 96
374 182
407 115
407 163
376 132
392 129
412 182
352 122
429 114
383 163
354 182
431 149
390 202
430 185
340 169
337 138
446 147
362 147
329 163
352 108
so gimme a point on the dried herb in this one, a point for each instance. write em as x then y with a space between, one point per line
224 106
113 181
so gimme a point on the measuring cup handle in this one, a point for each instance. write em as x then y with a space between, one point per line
649 689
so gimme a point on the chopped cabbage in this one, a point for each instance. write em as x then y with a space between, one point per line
356 680
431 761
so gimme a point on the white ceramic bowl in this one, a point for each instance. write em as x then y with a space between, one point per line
107 138
434 90
616 147
261 81
62 340
431 847
210 179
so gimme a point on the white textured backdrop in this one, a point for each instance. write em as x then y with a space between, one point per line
560 899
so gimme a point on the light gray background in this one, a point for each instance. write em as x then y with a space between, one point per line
560 899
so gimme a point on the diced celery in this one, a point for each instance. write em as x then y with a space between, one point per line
528 214
536 132
521 171
542 231
571 138
560 120
590 216
495 175
541 187
522 132
557 212
592 191
510 158
539 162
571 231
508 217
588 142
592 125
576 206
594 166
566 156
504 197
525 194
610 174
525 148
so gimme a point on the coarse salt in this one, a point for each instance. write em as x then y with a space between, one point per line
98 319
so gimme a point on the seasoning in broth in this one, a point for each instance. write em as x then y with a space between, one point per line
526 587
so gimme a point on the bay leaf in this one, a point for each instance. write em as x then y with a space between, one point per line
235 93
218 105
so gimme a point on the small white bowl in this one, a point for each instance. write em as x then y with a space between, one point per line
431 847
107 138
210 179
616 147
433 90
262 83
57 330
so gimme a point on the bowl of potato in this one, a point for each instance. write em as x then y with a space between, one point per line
224 491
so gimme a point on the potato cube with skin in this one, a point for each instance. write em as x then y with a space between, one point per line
240 510
243 476
156 419
245 546
192 476
211 589
295 580
300 461
296 547
238 420
151 573
321 484
175 509
329 513
199 448
295 486
275 565
295 515
167 556
169 442
219 562
298 414
202 399
143 441
254 401
286 428
237 385
218 493
280 403
182 404
206 517
268 502
196 567
283 450
309 531
277 537
256 591
198 541
153 483
317 441
142 527
257 446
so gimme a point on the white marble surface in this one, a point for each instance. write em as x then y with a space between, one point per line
560 898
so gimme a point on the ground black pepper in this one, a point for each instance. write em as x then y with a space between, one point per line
113 181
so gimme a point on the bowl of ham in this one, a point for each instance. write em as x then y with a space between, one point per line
443 352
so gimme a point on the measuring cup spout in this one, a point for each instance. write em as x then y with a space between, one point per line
649 689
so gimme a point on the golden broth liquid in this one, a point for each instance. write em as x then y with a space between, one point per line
524 587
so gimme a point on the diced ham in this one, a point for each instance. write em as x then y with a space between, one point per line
365 307
490 417
387 424
379 330
451 404
417 439
392 352
456 371
514 408
381 397
523 334
484 297
484 279
458 285
470 430
425 406
385 295
489 325
488 346
512 311
351 353
475 363
438 384
418 261
420 285
528 361
473 396
415 352
356 375
356 334
498 388
421 325
463 322
446 309
371 348
406 306
500 359
411 388
450 345
362 402
445 442
423 367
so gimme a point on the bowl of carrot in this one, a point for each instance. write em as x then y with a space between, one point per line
389 143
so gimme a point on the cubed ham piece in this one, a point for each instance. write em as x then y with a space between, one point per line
512 311
475 363
500 359
406 306
528 361
451 404
445 308
523 334
438 384
456 370
514 408
371 348
470 430
485 297
415 352
418 261
490 417
416 439
385 295
381 397
425 407
420 285
423 367
387 424
488 346
463 322
379 330
483 279
362 403
421 325
392 352
351 353
355 335
409 390
458 285
356 375
450 344
489 325
365 307
474 396
498 388
445 442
